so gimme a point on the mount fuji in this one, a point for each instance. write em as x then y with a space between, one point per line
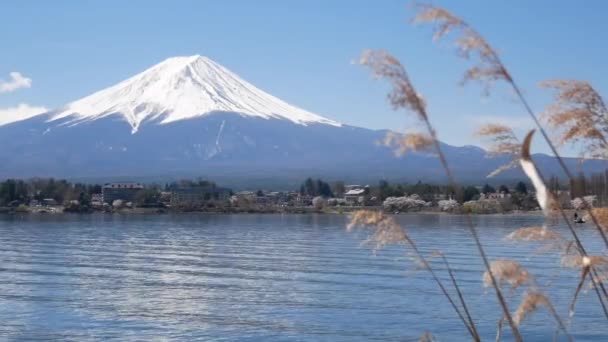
183 88
189 116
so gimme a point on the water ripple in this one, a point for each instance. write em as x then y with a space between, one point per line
253 277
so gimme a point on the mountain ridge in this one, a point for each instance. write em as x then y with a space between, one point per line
191 116
181 88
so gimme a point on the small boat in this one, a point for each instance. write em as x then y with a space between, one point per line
578 219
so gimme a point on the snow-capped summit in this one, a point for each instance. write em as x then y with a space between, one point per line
181 88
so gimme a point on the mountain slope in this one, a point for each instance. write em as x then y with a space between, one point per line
182 88
189 116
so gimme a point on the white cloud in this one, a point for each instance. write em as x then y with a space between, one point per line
16 81
21 112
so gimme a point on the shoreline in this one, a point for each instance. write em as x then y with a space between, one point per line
293 211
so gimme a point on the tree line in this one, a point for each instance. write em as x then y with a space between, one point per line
427 191
14 191
595 184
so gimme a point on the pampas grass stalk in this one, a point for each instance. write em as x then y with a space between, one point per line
488 70
580 115
460 296
550 206
588 266
503 142
581 281
405 96
531 302
386 231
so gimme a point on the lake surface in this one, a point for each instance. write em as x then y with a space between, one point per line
262 277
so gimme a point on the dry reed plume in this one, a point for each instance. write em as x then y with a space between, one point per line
534 234
576 261
589 267
550 207
404 96
601 215
502 142
531 302
507 271
470 44
427 337
386 230
579 115
552 241
488 69
403 143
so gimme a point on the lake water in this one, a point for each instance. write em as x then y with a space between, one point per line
261 277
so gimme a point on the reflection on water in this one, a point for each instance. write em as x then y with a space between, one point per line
252 277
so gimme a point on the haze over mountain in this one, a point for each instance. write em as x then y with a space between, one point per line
189 116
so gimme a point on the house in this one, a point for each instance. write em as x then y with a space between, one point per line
334 202
198 195
97 200
441 197
49 202
243 198
303 200
165 197
120 191
277 197
355 194
354 187
262 198
495 195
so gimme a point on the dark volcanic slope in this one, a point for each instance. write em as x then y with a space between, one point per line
228 145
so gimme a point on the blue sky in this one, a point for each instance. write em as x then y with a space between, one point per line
301 51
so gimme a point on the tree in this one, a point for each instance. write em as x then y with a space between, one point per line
12 190
7 191
84 199
315 188
147 197
309 187
521 188
338 188
469 193
488 189
205 183
324 188
94 189
384 190
503 189
399 191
